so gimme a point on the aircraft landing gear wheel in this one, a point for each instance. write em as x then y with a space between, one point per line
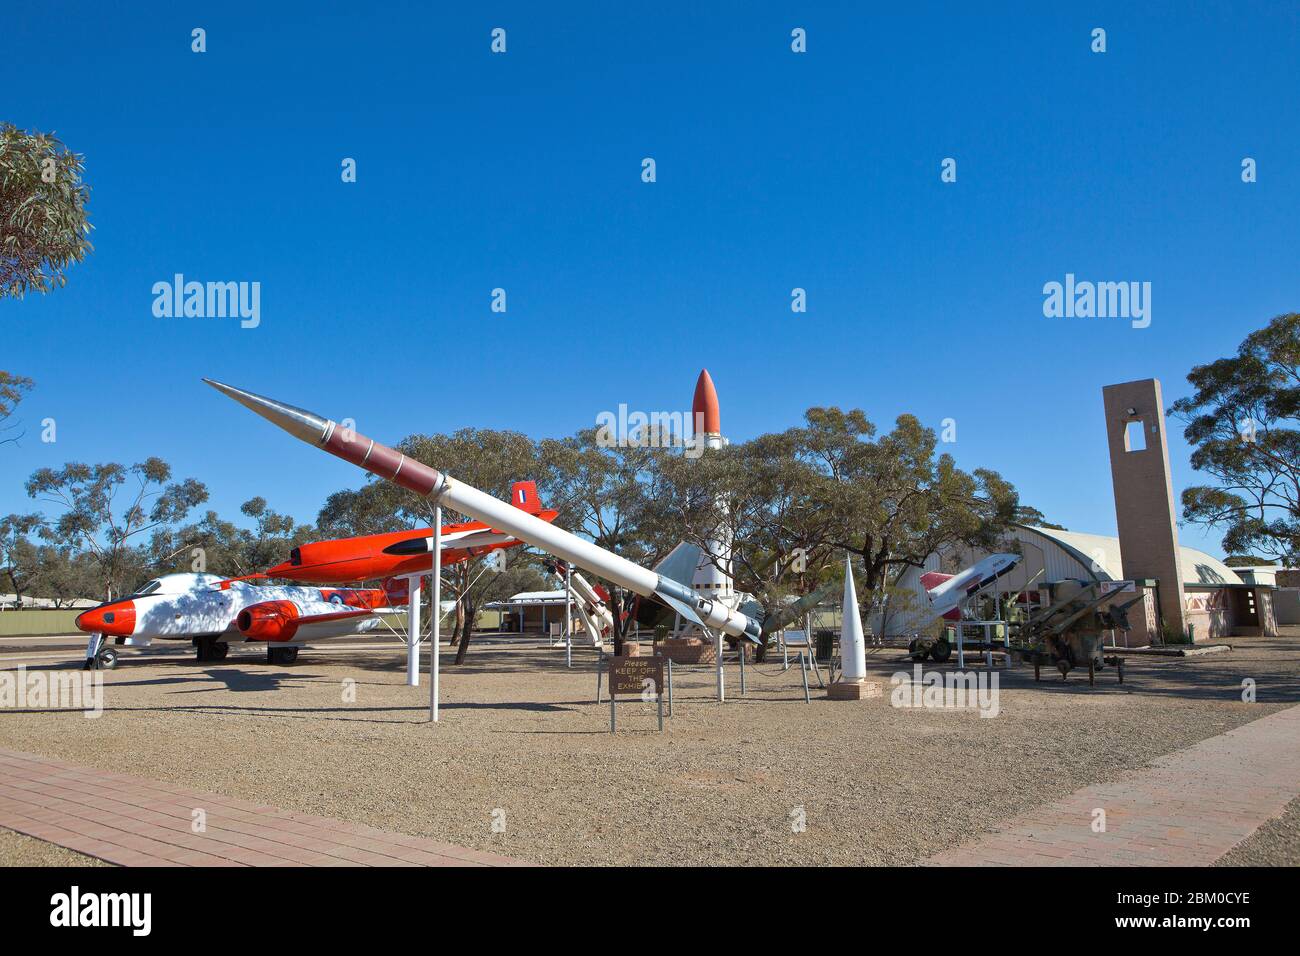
106 659
218 650
941 651
281 655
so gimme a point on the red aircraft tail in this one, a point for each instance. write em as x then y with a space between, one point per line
931 580
523 495
397 591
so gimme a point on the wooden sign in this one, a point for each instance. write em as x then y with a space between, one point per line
628 675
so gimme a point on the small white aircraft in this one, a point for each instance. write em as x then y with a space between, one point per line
946 591
212 612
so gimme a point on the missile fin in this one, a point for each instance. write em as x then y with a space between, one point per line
680 606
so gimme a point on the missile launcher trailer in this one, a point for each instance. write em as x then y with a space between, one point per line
1070 631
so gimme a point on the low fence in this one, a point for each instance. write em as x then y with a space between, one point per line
37 622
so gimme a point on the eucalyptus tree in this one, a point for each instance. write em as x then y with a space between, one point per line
794 502
44 224
602 488
12 390
108 508
893 500
489 459
1243 421
762 498
19 554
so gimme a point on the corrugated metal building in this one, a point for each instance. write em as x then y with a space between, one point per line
1219 602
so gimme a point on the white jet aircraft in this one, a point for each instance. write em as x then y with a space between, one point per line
212 612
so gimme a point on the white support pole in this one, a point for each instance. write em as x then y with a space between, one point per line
413 632
722 692
568 615
435 631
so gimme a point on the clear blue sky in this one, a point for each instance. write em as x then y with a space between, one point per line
522 170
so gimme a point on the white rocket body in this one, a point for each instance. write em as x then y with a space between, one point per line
853 645
712 577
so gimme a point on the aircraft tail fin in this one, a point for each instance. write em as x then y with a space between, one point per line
523 495
397 591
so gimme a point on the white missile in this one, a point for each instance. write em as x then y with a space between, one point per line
445 490
853 646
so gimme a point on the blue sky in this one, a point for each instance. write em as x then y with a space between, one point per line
522 171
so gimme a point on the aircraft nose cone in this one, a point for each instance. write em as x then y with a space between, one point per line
116 619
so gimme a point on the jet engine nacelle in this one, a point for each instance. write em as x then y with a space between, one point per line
269 621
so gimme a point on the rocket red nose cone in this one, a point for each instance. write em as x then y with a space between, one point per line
705 406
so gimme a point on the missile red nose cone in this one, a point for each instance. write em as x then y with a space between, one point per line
705 406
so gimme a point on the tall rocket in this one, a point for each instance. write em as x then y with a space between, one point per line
713 575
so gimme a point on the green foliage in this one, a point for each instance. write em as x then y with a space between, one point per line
18 554
1244 423
12 389
44 226
486 458
604 493
221 547
94 519
828 487
64 575
1246 561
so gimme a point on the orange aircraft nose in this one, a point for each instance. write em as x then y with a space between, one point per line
117 619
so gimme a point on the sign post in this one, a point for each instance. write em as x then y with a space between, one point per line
635 675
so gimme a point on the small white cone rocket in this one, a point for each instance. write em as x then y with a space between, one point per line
853 647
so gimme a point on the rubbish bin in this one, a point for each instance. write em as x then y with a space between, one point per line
825 647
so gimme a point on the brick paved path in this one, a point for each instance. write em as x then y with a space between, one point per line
1189 809
136 822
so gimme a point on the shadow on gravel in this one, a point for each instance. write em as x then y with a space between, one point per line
1273 666
236 681
352 713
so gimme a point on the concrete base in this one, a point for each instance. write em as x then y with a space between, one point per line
853 690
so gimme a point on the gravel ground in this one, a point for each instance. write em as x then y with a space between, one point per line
521 740
1275 843
19 850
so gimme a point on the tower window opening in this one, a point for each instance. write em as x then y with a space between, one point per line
1135 437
